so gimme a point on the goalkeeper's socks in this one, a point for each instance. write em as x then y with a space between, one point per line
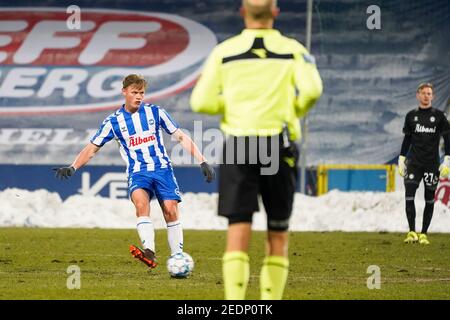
273 278
175 236
411 213
146 232
236 273
410 193
427 215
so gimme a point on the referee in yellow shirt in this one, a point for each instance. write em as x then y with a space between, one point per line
261 82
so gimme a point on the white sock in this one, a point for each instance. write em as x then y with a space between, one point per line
175 236
146 232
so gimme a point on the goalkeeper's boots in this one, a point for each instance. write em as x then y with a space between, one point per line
423 239
147 256
411 237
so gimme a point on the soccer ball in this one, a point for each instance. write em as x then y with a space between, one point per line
180 265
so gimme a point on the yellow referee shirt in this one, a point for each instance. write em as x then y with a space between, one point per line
259 81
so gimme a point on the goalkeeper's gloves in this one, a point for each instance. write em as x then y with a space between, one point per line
444 168
64 172
402 166
207 171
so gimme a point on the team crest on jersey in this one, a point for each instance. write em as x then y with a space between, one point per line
47 67
432 119
411 176
416 118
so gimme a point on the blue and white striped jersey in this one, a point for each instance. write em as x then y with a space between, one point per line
139 136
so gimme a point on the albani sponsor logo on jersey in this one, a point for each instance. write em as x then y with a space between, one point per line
135 141
423 129
45 67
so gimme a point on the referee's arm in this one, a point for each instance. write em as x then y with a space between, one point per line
207 94
308 83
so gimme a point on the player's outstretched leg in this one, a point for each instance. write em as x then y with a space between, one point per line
145 228
146 233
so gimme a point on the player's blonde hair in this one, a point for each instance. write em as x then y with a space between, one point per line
136 80
259 9
425 85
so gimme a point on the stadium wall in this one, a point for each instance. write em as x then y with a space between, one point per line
104 180
53 99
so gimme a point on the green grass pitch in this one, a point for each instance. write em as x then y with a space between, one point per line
331 265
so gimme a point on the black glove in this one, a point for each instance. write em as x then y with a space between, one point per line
292 152
64 172
207 171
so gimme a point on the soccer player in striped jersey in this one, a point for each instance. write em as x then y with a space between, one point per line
137 127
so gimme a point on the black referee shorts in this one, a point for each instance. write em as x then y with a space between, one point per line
241 183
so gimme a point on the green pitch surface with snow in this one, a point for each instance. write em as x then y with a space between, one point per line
34 264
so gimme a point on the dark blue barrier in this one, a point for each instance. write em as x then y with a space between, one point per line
106 181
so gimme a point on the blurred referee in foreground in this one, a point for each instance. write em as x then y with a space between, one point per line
261 83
